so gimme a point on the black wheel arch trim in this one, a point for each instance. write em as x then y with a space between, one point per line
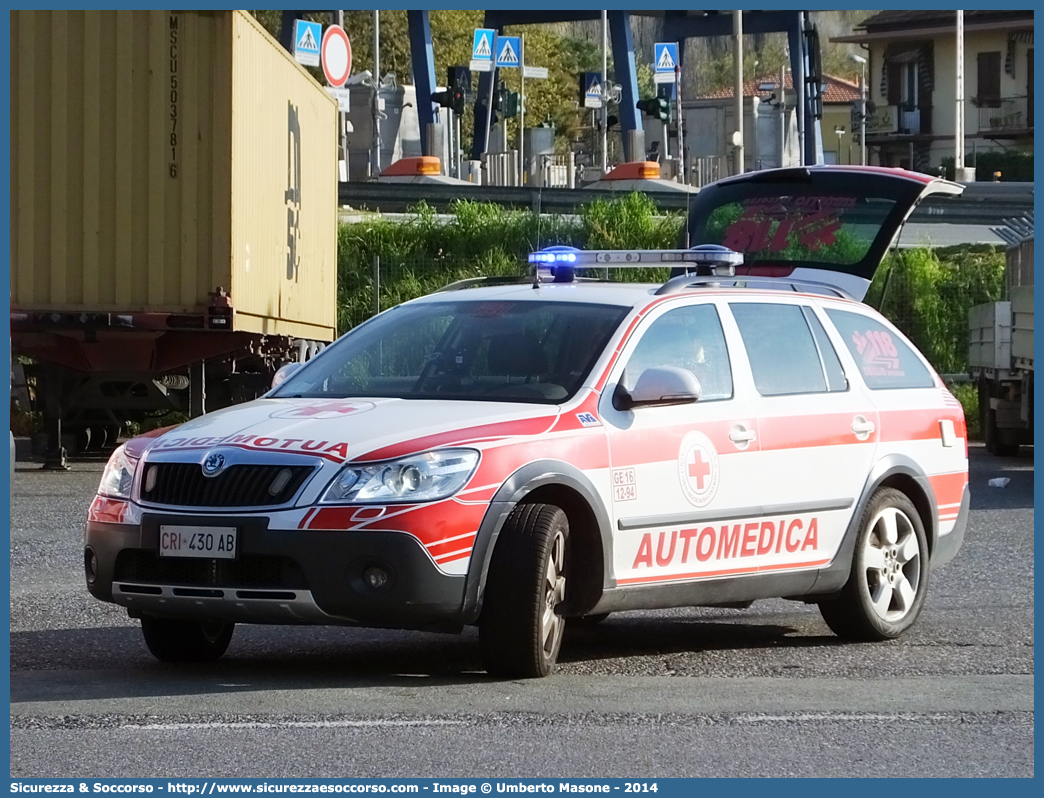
834 576
515 488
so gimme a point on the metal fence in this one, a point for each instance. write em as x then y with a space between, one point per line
1009 113
707 169
554 171
501 169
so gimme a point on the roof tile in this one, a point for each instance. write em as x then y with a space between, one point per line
838 90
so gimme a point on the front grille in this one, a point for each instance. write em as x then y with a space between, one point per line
251 571
183 485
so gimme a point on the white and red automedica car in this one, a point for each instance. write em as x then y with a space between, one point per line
516 455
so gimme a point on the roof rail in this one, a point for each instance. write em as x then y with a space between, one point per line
478 282
681 283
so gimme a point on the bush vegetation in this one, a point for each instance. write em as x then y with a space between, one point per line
1012 165
425 251
927 294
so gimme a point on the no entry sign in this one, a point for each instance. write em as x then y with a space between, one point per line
336 55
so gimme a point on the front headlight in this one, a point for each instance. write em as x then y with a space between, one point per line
118 475
418 478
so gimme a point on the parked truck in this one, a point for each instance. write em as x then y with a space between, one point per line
1000 349
173 214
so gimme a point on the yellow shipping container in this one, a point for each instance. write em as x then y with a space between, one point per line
159 155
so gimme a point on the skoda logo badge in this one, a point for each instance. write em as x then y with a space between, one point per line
213 464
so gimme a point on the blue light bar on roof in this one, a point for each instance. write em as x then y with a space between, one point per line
550 255
713 255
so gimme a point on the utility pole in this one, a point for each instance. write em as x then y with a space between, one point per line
737 55
681 124
782 116
862 105
342 134
958 143
522 107
604 93
375 159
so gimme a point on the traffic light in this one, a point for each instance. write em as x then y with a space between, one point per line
511 104
505 102
458 79
456 95
665 93
657 107
457 100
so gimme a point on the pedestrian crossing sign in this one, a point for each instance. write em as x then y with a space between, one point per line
665 56
482 50
307 36
592 90
508 48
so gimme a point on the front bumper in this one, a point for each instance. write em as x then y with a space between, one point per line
278 576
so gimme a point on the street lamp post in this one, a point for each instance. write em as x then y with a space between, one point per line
862 106
605 93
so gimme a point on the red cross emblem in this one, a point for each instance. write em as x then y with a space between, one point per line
327 409
699 468
323 410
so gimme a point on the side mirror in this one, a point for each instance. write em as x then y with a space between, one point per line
668 385
285 373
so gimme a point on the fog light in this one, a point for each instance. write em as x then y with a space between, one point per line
90 565
375 577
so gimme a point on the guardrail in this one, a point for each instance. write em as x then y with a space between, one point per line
981 203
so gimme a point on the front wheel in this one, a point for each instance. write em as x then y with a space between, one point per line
172 640
520 631
889 579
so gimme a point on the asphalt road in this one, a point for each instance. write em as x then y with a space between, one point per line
763 692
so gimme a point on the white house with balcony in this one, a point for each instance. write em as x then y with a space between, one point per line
912 80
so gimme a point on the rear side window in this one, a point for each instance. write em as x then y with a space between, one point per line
836 380
884 360
783 354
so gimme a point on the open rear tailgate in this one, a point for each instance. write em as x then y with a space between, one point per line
830 224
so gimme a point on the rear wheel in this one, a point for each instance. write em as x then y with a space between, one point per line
889 579
520 631
172 640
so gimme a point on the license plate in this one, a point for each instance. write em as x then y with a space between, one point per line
217 542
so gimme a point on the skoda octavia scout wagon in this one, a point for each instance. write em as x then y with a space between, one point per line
513 456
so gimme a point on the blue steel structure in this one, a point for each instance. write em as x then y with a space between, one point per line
678 26
802 41
423 57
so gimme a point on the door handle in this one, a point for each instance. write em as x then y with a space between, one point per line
862 428
741 436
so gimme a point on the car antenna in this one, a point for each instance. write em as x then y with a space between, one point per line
536 271
688 218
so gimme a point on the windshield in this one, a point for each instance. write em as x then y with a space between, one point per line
502 351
